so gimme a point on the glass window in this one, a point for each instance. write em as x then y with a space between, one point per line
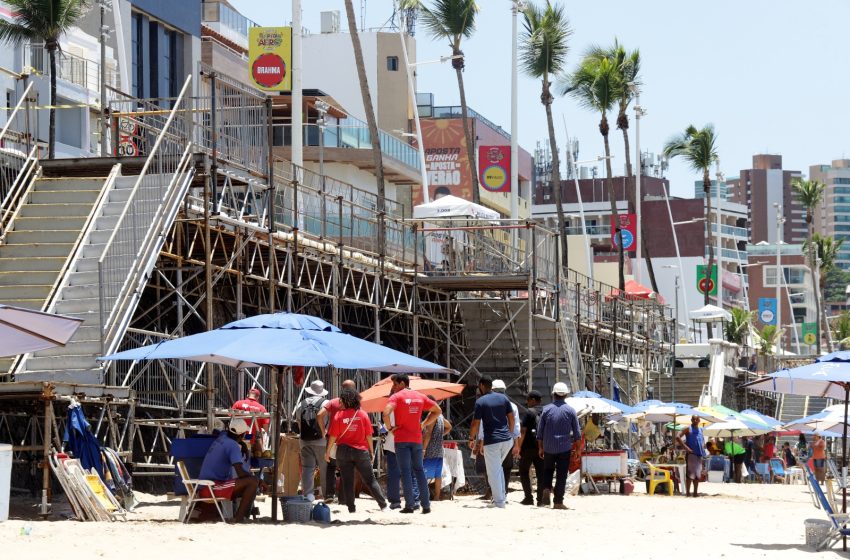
138 56
841 181
794 275
392 63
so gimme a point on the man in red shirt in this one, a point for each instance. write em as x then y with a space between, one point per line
251 405
329 409
407 407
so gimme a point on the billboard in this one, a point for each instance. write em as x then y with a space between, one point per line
270 58
628 231
810 333
767 310
494 168
446 163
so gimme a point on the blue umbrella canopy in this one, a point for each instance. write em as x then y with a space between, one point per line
820 379
769 420
81 442
597 403
283 339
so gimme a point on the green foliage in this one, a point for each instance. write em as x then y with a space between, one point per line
446 19
698 147
826 250
840 327
836 281
809 194
736 330
767 339
543 44
596 83
41 20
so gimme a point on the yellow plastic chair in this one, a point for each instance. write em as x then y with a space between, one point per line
659 476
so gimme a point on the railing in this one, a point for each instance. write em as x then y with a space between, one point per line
71 68
144 221
590 230
730 230
731 254
18 158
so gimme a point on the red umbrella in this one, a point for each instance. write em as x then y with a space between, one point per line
374 399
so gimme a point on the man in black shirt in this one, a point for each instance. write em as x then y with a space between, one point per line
528 447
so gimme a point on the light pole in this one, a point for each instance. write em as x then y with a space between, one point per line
322 108
297 94
780 219
639 112
676 243
720 178
516 7
104 124
581 213
746 282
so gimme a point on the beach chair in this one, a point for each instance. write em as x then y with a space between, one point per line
833 470
658 476
763 471
193 487
777 470
838 521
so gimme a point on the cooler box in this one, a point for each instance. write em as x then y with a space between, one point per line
192 452
604 463
715 476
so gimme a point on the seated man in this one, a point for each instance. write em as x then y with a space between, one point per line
252 405
225 463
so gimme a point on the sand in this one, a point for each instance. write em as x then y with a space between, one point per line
727 521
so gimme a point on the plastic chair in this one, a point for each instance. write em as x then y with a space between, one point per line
194 487
777 469
763 470
659 476
838 520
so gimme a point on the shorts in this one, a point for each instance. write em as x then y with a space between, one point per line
819 463
694 470
433 468
222 489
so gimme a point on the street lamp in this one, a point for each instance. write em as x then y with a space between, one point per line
516 7
639 112
780 219
693 221
322 108
676 339
720 179
581 211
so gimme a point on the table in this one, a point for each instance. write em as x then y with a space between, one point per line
680 467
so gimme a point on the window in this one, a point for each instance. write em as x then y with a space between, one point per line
10 98
842 181
138 55
794 275
392 63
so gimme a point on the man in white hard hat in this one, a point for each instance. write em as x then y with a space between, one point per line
500 387
557 430
224 464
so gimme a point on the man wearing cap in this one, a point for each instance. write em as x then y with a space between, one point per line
508 462
557 430
312 439
528 455
224 464
494 415
251 405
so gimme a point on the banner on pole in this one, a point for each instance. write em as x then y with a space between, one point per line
767 310
628 231
270 58
810 333
710 283
494 168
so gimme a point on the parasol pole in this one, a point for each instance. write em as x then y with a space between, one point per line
275 402
844 462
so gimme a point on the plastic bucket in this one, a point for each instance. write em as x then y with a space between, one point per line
5 479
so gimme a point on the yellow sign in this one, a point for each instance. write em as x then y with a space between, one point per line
810 338
270 58
494 178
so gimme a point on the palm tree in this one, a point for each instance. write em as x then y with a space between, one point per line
841 328
595 84
453 20
43 21
543 53
368 107
826 249
767 339
698 147
810 194
738 328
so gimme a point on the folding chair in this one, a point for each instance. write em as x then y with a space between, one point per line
763 471
838 521
194 487
833 470
777 469
658 476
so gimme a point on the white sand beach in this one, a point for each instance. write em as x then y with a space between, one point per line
727 521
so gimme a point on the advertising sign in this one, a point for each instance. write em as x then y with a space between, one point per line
628 231
270 58
767 310
494 168
712 280
446 163
810 333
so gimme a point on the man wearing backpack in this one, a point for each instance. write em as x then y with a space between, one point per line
312 438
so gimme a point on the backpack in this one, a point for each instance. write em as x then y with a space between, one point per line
308 423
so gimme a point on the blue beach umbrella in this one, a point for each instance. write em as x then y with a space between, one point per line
81 442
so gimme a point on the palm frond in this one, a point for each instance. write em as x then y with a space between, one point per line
544 40
698 147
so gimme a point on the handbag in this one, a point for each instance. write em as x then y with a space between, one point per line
332 450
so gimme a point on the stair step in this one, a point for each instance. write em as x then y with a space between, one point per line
17 278
55 210
80 291
15 264
34 250
78 305
61 363
83 376
21 237
25 292
74 184
80 278
63 197
83 347
25 303
25 223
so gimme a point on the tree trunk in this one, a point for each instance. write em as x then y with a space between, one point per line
706 189
367 105
546 98
51 142
467 132
623 124
812 267
612 199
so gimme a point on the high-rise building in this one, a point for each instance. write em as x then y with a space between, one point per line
833 217
758 189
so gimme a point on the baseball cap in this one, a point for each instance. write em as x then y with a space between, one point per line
534 395
238 426
560 389
499 385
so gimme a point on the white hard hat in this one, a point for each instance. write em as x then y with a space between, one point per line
238 426
560 389
499 385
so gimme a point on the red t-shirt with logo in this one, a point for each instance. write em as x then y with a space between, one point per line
409 406
251 405
351 428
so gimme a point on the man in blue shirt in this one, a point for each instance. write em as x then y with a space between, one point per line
494 414
224 464
557 430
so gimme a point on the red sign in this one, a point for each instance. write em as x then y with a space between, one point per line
494 168
268 70
628 230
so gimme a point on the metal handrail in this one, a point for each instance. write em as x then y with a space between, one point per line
138 246
21 187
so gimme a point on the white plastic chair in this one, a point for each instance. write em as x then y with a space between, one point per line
193 487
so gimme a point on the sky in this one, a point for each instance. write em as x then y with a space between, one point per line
772 76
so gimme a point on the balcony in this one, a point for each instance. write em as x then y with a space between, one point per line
70 68
730 254
596 231
732 231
